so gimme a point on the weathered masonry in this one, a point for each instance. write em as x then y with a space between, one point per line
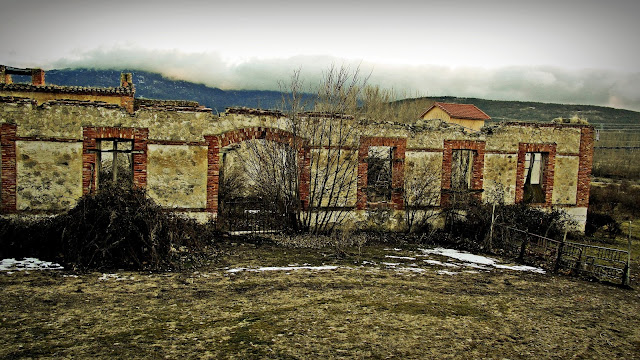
60 143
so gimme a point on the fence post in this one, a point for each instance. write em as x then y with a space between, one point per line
627 269
578 267
523 248
556 267
493 219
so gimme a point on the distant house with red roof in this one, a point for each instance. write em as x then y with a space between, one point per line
467 115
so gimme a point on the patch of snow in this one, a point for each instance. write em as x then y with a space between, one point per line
28 264
415 270
394 249
476 266
446 272
283 268
390 264
520 268
400 257
460 255
105 277
477 261
436 262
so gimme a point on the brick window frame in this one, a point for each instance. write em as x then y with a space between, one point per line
216 142
399 146
547 186
477 167
8 199
90 137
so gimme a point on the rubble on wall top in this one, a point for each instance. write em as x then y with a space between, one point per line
252 111
128 90
544 124
278 113
81 103
170 105
17 100
318 114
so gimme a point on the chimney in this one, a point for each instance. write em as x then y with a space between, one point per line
126 80
5 77
37 77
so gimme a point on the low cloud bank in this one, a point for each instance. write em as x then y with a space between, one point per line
545 84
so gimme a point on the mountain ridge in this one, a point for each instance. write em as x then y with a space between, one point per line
151 85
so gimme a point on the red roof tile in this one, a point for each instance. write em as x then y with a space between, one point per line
460 111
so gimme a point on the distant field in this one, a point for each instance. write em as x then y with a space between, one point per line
372 306
617 155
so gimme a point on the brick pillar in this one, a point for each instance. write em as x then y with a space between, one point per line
363 167
8 135
4 77
586 162
397 175
89 159
213 172
140 140
127 103
37 77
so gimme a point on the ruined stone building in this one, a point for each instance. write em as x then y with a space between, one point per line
59 143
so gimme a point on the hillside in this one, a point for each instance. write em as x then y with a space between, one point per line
535 111
155 86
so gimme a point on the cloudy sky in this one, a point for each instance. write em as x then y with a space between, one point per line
569 51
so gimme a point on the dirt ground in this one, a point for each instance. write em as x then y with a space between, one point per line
381 303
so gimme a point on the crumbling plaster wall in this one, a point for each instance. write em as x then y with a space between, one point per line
49 152
177 176
49 175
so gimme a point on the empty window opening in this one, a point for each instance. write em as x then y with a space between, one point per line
379 173
462 169
115 165
534 177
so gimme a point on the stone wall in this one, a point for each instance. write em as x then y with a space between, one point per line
49 156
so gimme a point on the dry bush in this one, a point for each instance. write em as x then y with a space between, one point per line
467 223
118 228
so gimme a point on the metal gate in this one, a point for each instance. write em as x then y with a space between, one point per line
252 215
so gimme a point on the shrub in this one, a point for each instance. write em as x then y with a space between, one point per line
117 228
469 226
597 221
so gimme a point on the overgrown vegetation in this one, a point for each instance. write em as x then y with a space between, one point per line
117 228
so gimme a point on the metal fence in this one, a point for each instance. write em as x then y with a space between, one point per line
599 262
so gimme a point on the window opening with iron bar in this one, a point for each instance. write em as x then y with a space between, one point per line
462 169
115 162
379 174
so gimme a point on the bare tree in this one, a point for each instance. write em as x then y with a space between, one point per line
327 127
421 195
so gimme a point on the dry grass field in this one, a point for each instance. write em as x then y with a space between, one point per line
385 302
